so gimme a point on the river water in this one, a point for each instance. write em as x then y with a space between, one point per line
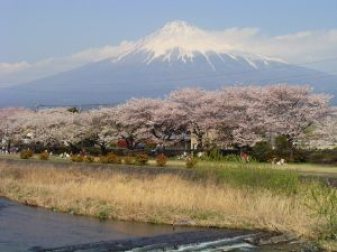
23 227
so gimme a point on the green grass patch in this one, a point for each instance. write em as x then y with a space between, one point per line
256 176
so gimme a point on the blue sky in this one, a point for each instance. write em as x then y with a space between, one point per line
37 29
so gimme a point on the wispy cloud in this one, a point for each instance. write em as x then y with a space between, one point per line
303 46
10 68
21 72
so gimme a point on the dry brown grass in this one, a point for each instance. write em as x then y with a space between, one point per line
159 199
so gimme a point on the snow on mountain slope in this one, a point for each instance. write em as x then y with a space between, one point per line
178 55
178 40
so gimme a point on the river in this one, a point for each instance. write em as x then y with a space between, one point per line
23 228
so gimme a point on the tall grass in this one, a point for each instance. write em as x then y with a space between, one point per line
160 199
324 204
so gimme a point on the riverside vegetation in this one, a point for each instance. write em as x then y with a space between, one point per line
231 195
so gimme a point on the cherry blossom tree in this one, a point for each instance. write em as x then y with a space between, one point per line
324 132
103 127
141 120
235 116
200 108
134 120
239 120
290 110
169 123
34 126
10 127
51 127
70 128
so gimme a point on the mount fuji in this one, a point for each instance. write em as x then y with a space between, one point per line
176 56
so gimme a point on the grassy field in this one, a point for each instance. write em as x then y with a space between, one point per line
302 168
314 169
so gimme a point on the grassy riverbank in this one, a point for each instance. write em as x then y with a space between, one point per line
235 197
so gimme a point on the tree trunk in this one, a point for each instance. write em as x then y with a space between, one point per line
9 146
291 154
129 143
103 149
199 140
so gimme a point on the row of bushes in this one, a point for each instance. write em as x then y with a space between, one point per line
138 159
111 158
261 152
27 154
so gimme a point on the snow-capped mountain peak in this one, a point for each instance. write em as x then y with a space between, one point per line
178 27
180 41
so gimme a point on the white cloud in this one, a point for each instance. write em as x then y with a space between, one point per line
303 46
9 68
97 54
21 72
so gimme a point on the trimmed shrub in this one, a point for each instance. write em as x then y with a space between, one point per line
44 155
161 160
191 162
103 160
142 158
26 154
76 158
88 159
73 110
128 160
93 151
111 158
